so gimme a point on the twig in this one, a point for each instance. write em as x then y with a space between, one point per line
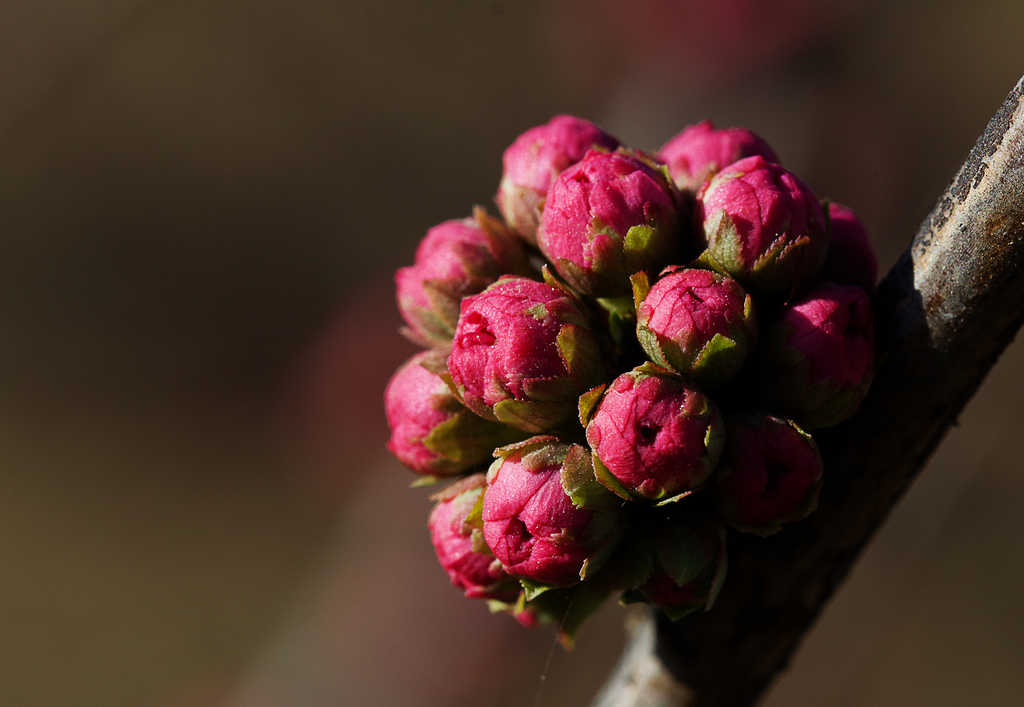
944 314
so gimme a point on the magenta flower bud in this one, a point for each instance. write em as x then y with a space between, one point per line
762 226
532 162
689 566
523 353
698 323
654 436
607 217
431 431
456 258
770 473
700 152
850 259
817 360
533 525
477 573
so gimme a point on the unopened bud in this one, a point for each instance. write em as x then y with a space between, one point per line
535 159
607 217
770 473
762 226
523 353
654 436
701 151
698 323
431 431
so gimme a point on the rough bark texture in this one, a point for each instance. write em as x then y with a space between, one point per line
943 315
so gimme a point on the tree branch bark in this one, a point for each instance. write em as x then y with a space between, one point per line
943 315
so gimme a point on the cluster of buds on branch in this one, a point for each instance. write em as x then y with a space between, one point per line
627 366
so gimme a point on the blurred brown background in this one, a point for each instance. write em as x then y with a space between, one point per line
201 204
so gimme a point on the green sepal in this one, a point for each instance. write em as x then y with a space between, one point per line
465 439
427 342
475 521
621 320
576 276
532 589
637 243
459 487
505 244
550 390
581 485
480 409
632 563
718 362
492 470
719 345
610 265
532 416
567 608
750 321
588 403
538 311
677 497
436 363
535 454
446 376
446 299
582 356
706 261
772 273
714 436
723 241
535 441
651 345
684 551
603 533
621 327
426 481
586 600
497 606
480 545
648 368
552 279
641 288
475 517
545 455
609 481
624 304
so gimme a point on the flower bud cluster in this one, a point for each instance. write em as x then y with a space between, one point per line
627 367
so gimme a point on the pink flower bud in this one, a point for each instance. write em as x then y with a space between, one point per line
850 259
523 353
654 436
479 574
431 431
607 217
770 473
455 259
763 226
530 522
700 152
817 360
689 565
533 161
698 323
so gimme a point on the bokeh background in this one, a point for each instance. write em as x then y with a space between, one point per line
201 204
